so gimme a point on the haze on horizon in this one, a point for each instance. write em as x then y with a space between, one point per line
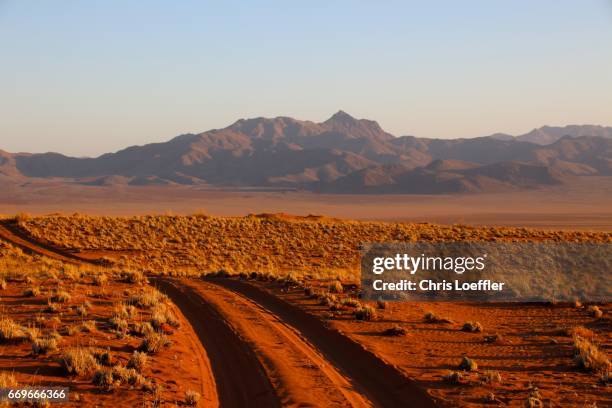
86 78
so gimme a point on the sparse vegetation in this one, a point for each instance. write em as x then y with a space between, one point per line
395 331
365 313
192 398
595 311
472 327
468 364
431 317
153 342
589 357
79 361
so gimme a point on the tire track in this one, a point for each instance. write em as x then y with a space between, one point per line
240 378
383 384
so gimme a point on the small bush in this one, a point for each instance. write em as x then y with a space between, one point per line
79 361
127 375
119 324
133 277
138 361
44 345
9 330
335 287
327 299
588 356
431 317
52 307
82 311
148 299
88 326
100 279
490 377
3 284
493 338
60 296
351 302
154 342
103 378
7 380
32 292
192 398
103 357
381 304
595 311
467 364
472 327
454 377
395 331
365 313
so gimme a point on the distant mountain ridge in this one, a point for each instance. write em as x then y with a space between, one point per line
339 155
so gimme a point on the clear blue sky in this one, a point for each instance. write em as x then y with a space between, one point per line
86 77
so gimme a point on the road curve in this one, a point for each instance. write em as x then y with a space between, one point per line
240 378
384 385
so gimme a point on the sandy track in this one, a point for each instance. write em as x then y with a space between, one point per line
349 374
383 384
9 231
300 375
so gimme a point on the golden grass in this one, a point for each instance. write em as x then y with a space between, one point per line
318 247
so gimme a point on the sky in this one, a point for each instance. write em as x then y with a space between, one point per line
88 77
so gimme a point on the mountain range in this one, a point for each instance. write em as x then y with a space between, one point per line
340 155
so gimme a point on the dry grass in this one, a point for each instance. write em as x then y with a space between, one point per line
589 357
79 361
268 243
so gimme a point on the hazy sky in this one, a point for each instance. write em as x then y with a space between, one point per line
87 77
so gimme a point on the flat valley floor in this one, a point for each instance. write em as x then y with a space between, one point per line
586 204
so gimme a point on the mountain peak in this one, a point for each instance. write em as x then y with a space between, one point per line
341 116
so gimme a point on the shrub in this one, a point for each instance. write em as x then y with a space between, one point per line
9 330
192 398
431 317
3 284
126 375
32 292
327 299
133 277
44 345
82 311
143 329
88 326
351 302
493 338
595 311
119 324
138 361
60 296
103 357
472 327
7 380
161 314
335 287
381 304
52 307
103 378
365 313
453 377
79 361
148 299
580 331
467 364
100 279
31 333
395 331
490 377
154 342
588 356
